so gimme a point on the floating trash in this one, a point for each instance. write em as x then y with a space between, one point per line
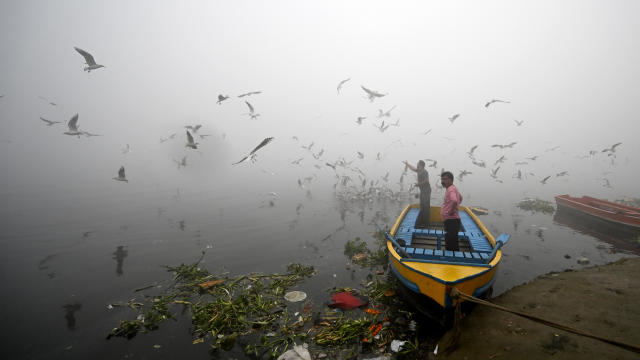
295 296
396 345
346 301
583 261
299 352
479 210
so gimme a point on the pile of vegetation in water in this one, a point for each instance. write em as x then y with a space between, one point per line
536 205
250 310
360 254
628 201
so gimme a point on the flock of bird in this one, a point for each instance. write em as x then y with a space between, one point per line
346 172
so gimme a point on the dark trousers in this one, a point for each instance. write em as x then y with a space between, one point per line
422 221
451 229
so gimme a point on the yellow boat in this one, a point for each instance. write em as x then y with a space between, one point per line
420 262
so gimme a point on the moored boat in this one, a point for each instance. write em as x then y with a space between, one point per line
420 262
622 215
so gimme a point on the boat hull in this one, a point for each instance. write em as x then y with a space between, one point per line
425 268
625 216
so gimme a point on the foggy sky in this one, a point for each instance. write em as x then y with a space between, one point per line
568 68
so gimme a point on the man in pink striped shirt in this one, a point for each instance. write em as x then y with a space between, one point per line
449 211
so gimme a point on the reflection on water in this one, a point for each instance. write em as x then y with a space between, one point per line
622 238
70 310
119 256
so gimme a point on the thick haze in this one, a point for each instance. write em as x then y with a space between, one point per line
569 69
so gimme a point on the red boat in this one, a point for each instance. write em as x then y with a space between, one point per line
602 209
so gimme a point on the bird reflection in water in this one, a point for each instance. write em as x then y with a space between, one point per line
70 310
119 256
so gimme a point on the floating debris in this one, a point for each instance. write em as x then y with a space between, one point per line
536 205
346 301
295 296
479 210
583 261
299 352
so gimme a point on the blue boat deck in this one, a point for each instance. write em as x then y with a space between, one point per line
428 244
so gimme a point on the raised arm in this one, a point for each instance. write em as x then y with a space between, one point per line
413 168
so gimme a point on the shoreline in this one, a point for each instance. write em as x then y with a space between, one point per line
601 300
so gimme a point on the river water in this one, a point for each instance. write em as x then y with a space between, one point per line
68 254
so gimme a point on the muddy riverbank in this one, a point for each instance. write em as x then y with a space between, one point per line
601 300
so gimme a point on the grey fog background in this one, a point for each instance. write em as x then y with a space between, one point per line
568 68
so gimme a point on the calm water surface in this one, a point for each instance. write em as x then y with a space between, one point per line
67 256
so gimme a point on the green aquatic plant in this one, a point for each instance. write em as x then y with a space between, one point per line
358 251
342 331
536 205
222 308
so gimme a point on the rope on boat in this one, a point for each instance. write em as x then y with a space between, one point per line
455 293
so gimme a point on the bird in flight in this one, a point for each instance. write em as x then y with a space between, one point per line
494 172
473 148
73 126
382 127
222 98
562 173
519 123
387 113
463 173
88 58
454 117
495 101
371 94
544 181
359 120
251 112
250 93
533 158
190 143
193 128
182 162
612 148
501 160
47 100
126 150
49 122
342 83
426 132
263 143
121 176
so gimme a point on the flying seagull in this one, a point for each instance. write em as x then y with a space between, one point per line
342 83
252 112
193 128
88 58
121 176
126 150
544 181
612 148
73 126
518 123
473 148
263 143
222 98
47 100
250 93
495 101
385 113
359 120
190 142
372 95
49 122
454 117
